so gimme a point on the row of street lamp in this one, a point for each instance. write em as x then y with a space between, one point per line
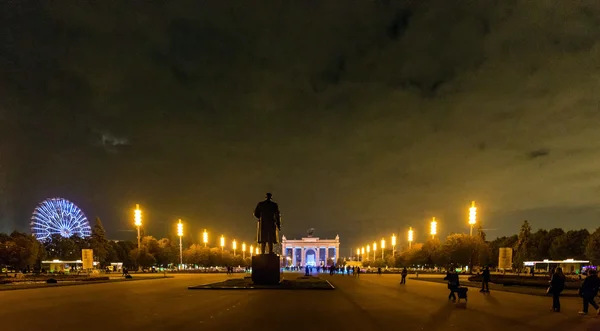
137 216
360 252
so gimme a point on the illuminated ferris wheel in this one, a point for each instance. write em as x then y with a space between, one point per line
59 216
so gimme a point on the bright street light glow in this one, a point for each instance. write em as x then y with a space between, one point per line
472 213
234 245
362 251
222 241
374 246
410 234
138 215
433 227
243 247
368 249
358 251
257 251
180 229
382 243
393 239
205 237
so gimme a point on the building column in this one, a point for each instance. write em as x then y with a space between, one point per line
317 255
294 256
302 253
326 254
337 252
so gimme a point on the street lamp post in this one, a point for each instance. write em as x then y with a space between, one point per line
180 234
222 243
472 216
137 216
433 228
251 250
374 249
368 251
244 251
234 245
205 237
358 254
410 237
382 247
393 244
138 224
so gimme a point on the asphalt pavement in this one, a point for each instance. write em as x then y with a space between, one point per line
370 302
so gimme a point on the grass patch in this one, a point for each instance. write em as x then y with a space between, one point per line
300 283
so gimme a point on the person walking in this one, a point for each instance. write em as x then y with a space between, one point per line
589 290
485 280
557 285
404 274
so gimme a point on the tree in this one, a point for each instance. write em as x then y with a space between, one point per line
99 243
61 248
144 258
522 249
460 249
592 249
480 233
24 251
168 253
571 245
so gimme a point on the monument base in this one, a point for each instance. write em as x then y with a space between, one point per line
265 269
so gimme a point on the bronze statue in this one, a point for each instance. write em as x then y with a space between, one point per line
269 222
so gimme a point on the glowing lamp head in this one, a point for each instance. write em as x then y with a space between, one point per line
393 240
205 236
472 213
180 229
358 251
433 227
362 251
257 251
243 247
410 234
137 216
222 241
234 244
382 243
368 249
374 246
251 249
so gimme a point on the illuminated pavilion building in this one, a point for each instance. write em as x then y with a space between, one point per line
312 251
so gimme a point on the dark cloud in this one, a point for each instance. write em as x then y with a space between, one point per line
363 118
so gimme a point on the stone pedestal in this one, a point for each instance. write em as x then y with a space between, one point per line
265 269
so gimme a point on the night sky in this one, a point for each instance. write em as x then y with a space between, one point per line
361 117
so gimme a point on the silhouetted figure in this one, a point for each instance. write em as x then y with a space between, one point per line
379 271
485 280
269 221
453 283
307 271
589 290
404 274
557 285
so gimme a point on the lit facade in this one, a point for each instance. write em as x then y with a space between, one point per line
312 251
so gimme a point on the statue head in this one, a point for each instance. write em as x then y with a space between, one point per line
269 196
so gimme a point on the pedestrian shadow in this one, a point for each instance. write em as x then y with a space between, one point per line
488 298
440 316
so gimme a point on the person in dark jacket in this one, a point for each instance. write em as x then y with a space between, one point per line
485 280
557 285
589 290
404 274
453 284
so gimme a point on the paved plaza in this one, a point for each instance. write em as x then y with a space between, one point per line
370 303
